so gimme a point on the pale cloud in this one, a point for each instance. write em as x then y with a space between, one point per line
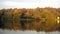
11 4
30 4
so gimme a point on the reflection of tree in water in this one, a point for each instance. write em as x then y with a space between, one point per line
25 19
1 20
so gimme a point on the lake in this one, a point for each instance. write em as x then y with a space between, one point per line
25 32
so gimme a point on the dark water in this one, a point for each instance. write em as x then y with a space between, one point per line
25 32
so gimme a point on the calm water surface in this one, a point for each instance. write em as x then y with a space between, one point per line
25 32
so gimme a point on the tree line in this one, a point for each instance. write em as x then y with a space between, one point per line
39 19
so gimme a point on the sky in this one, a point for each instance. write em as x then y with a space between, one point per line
29 3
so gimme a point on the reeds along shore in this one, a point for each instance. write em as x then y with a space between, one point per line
39 19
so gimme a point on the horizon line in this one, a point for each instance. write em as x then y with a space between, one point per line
29 8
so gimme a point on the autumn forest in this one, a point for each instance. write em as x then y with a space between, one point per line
40 19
